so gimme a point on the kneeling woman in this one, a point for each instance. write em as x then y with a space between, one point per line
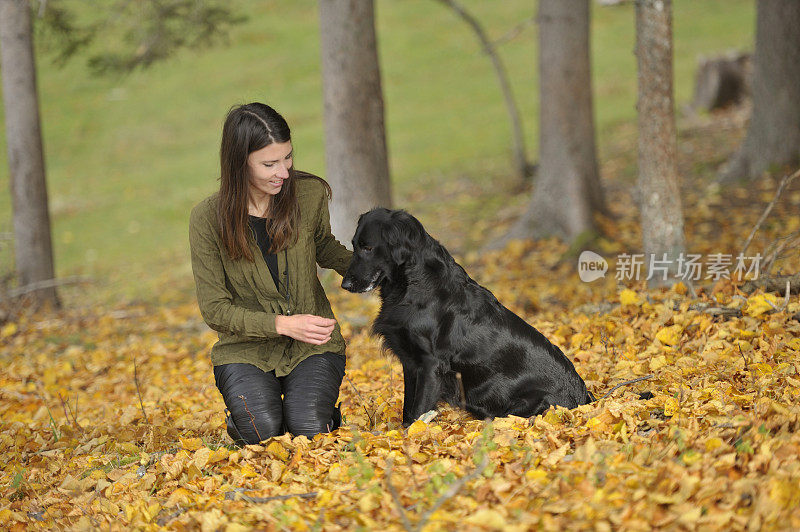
255 247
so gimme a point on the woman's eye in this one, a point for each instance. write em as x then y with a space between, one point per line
269 165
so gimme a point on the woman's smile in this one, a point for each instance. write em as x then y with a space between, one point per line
269 167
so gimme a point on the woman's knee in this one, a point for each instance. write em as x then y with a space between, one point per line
253 398
258 427
309 423
310 393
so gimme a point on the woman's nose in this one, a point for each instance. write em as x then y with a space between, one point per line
283 171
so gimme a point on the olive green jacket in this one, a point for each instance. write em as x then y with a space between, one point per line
239 299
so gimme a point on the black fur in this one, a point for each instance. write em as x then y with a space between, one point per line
439 322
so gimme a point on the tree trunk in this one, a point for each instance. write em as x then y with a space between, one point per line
773 136
659 191
567 190
355 142
32 245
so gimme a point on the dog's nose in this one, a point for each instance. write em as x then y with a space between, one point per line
347 283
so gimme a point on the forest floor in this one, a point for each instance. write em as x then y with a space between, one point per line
110 418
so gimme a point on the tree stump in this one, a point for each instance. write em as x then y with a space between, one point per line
722 81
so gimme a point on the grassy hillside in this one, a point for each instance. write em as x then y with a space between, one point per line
128 157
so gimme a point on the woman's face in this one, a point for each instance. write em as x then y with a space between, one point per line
268 167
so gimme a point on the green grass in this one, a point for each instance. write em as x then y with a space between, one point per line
128 157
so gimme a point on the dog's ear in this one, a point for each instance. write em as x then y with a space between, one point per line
403 234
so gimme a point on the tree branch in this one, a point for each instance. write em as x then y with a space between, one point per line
454 489
136 379
646 377
781 187
524 168
46 283
396 497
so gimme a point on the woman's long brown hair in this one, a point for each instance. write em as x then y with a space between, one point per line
249 128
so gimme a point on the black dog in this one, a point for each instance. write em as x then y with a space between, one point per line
439 322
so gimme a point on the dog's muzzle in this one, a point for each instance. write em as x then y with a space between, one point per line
356 287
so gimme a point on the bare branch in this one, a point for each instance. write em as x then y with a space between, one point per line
516 30
454 489
396 498
138 391
363 402
239 496
524 168
781 187
252 417
46 283
791 241
646 377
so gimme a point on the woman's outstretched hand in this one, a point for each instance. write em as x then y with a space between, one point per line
305 328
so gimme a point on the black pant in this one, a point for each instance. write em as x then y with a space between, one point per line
253 397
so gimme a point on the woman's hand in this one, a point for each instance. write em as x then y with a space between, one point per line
305 328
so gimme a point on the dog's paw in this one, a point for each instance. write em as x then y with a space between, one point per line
428 416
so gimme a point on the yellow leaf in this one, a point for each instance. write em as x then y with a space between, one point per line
593 422
368 502
551 417
192 472
128 448
690 516
324 497
201 457
248 471
179 496
539 475
629 297
213 519
658 362
108 507
70 484
759 304
713 443
191 444
784 492
8 329
335 471
670 407
762 368
669 335
277 451
420 458
489 518
217 456
691 457
417 427
150 511
554 457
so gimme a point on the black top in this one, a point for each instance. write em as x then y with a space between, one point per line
259 226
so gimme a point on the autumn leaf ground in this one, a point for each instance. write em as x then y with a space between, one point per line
714 448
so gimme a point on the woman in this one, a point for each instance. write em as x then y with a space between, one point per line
255 247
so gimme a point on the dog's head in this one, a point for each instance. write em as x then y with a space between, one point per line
384 241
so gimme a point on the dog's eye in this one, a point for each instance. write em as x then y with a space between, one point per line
366 248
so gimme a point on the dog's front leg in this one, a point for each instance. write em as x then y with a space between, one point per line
410 372
428 389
